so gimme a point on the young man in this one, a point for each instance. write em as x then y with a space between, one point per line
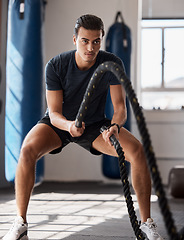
67 76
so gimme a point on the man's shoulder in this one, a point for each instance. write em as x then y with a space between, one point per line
60 62
107 56
64 56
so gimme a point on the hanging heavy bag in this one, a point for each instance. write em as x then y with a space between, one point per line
118 42
24 79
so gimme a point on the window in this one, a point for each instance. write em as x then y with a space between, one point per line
162 64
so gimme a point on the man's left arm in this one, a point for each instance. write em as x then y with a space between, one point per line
118 98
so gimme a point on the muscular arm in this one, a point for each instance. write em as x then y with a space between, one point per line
118 98
55 105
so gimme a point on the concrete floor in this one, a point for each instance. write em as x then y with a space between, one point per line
81 211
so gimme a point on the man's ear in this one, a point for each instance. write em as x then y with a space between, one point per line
74 39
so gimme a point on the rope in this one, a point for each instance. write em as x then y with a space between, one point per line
118 71
126 186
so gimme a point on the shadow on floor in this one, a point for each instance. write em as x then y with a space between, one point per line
81 211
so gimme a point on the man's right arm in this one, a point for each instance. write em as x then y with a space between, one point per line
55 106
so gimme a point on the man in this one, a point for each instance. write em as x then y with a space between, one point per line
67 76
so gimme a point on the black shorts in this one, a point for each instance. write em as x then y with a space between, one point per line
91 132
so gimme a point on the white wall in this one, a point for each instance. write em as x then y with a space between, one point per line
75 163
166 128
162 8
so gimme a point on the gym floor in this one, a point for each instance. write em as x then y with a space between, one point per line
82 211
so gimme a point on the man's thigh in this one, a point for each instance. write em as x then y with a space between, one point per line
128 142
42 139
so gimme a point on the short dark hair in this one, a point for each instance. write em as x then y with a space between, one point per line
90 22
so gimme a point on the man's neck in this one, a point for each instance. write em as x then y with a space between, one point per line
83 65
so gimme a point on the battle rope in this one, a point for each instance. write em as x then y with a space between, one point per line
151 160
126 186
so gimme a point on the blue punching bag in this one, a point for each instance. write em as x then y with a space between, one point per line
24 79
118 41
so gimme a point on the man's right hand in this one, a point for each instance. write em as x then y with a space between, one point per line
74 131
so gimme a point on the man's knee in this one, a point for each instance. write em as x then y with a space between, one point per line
138 152
28 156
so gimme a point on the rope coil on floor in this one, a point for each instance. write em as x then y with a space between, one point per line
118 71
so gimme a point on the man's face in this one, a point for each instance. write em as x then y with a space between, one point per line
88 43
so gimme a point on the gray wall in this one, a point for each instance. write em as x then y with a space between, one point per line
75 163
3 182
162 8
166 127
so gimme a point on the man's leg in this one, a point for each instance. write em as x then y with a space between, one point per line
134 153
39 141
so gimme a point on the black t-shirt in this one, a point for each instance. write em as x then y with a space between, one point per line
62 73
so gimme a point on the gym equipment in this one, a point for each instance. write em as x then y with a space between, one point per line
24 68
118 41
151 160
176 182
